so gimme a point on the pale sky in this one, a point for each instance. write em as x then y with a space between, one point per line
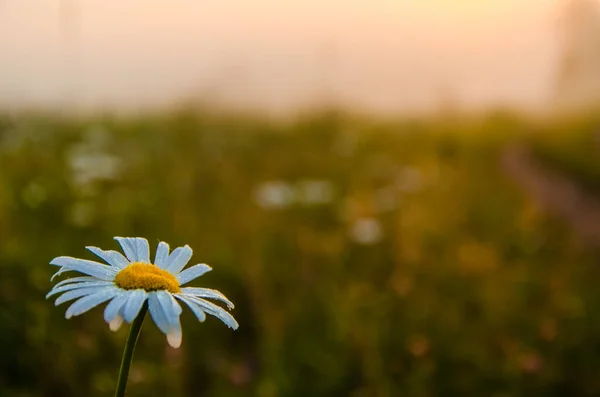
377 55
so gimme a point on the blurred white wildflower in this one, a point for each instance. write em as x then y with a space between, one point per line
89 160
278 194
90 167
274 195
366 231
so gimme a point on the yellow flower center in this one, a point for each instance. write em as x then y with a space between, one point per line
146 276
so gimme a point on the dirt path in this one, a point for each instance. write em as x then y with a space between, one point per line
554 192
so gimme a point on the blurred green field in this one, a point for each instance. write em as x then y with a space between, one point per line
365 258
572 146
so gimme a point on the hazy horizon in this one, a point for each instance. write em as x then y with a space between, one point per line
380 56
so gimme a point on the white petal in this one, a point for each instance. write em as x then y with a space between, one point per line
178 259
165 310
162 255
170 305
113 258
83 284
75 280
192 272
78 293
143 249
207 293
61 271
134 303
114 306
158 313
90 268
174 337
197 310
115 323
87 302
215 310
135 248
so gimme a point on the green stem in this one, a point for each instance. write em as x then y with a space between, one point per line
136 327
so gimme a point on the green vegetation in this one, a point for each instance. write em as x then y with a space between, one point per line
365 259
572 146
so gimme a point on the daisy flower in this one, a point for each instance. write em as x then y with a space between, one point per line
131 280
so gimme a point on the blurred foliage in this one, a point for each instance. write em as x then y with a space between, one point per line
410 265
572 145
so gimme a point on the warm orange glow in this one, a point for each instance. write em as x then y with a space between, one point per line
380 54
